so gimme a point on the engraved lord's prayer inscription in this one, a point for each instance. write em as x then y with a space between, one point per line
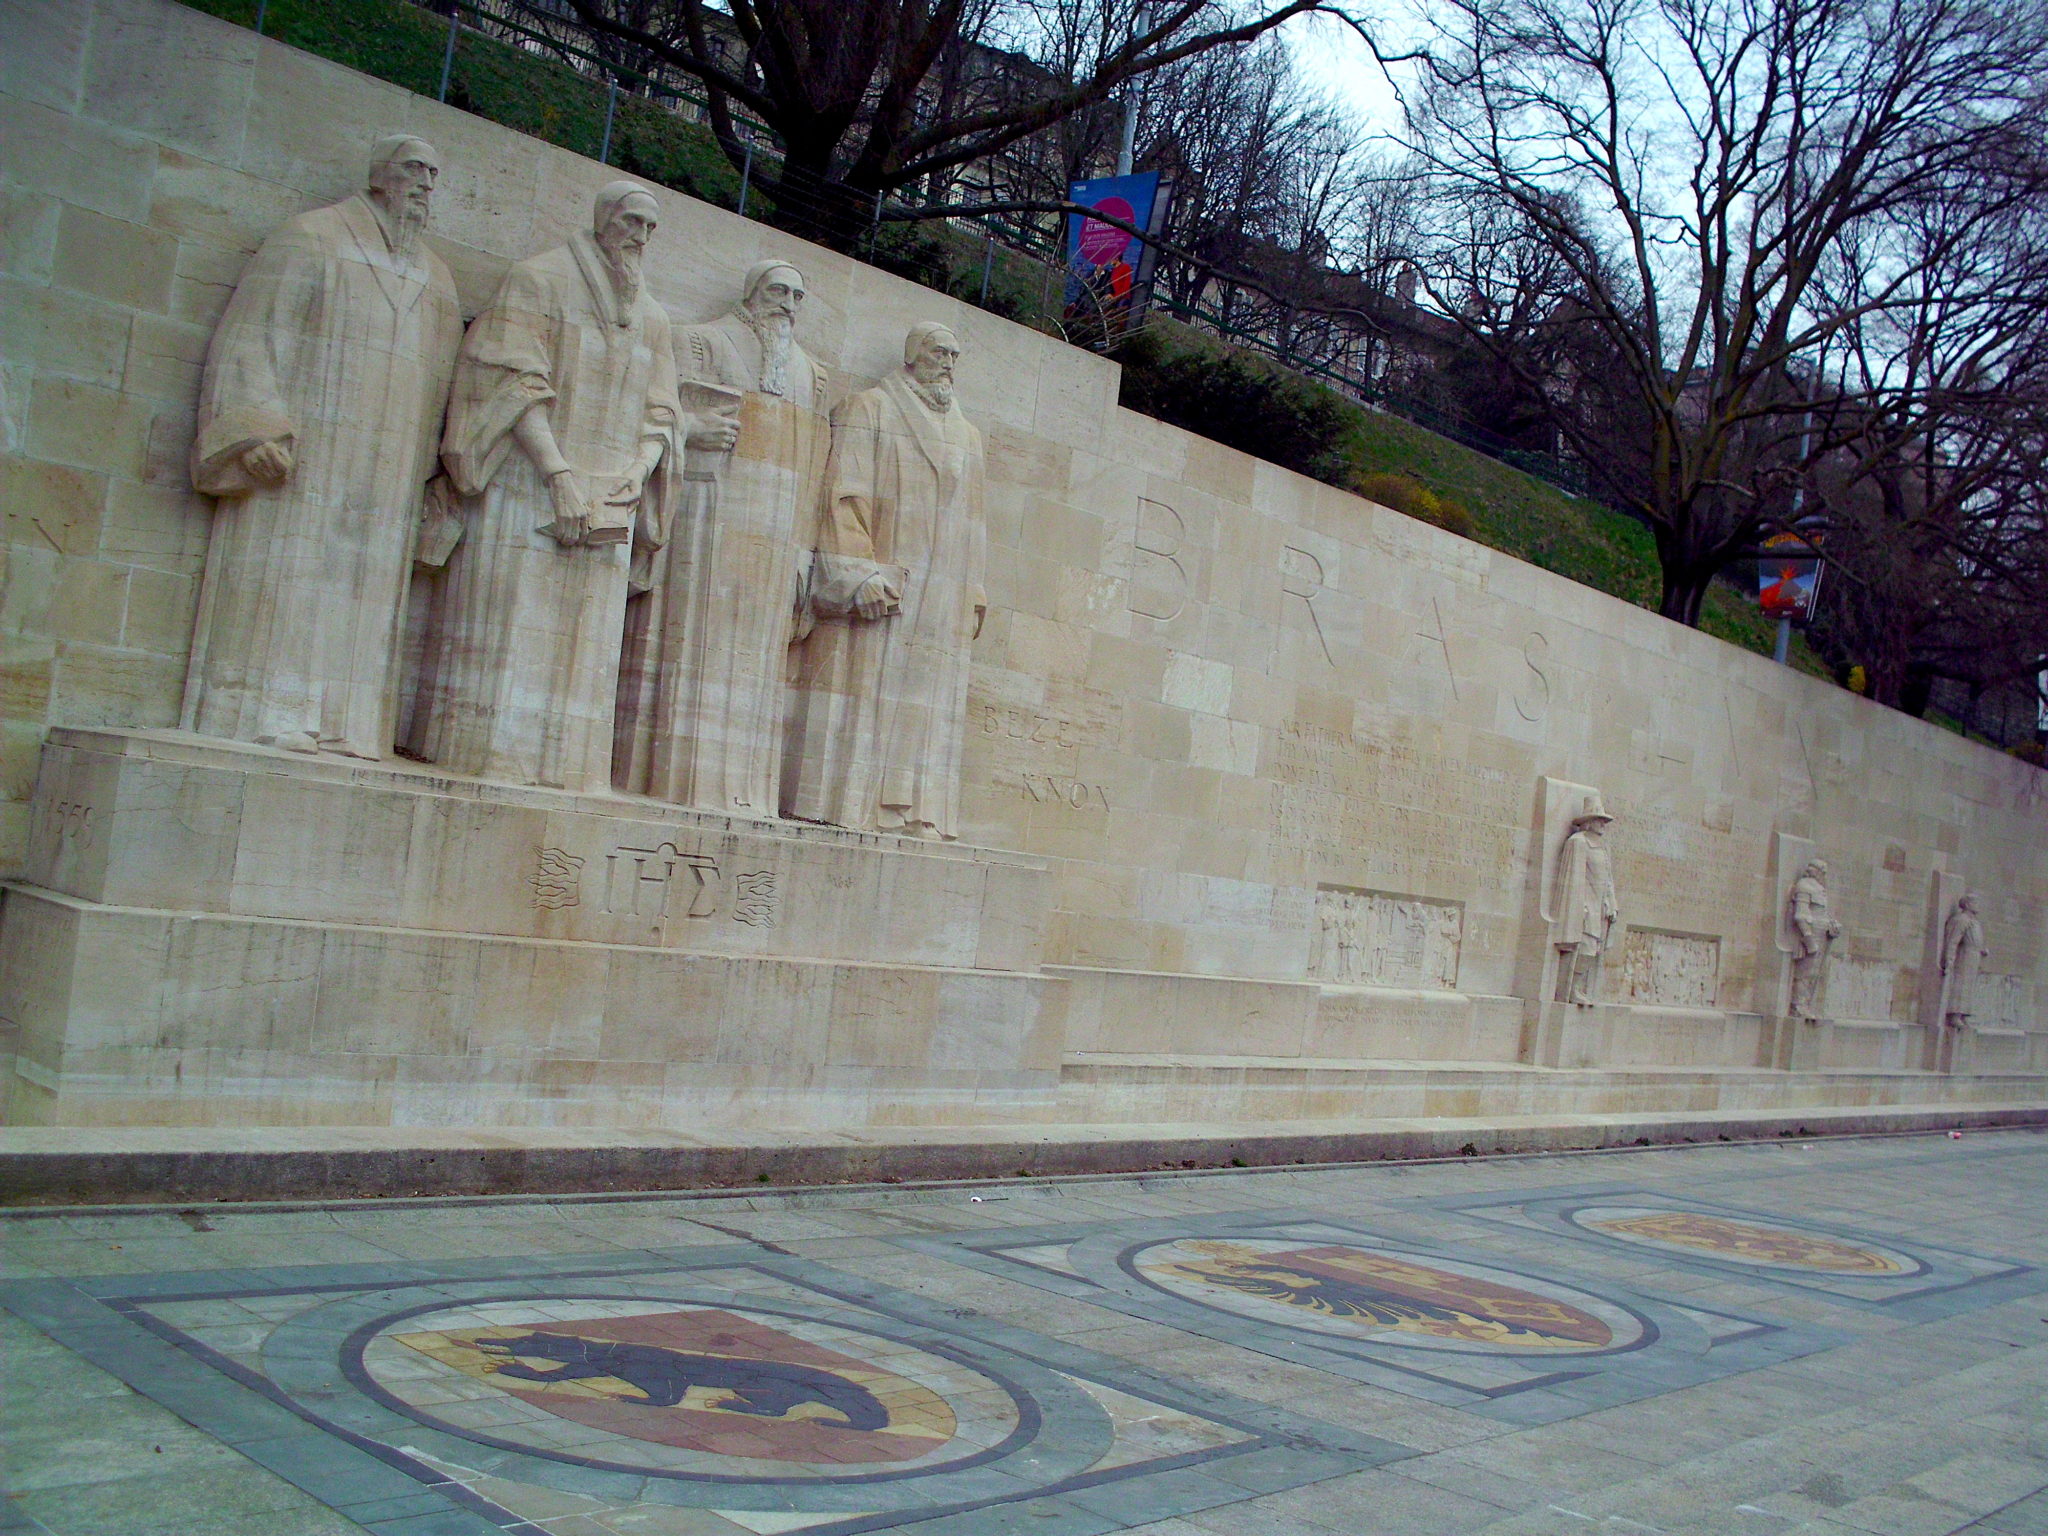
1406 814
1373 938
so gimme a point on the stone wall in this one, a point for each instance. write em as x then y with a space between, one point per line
1213 694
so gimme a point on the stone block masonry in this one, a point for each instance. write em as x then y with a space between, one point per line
1241 770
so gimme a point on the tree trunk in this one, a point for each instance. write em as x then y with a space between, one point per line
1684 590
1918 690
810 203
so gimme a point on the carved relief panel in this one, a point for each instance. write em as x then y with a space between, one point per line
1861 989
1671 970
2001 1002
1372 938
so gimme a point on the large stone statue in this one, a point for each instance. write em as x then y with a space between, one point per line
880 715
703 688
563 436
318 418
1586 906
1816 931
1963 953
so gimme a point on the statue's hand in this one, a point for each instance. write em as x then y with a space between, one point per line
572 513
877 599
714 434
268 463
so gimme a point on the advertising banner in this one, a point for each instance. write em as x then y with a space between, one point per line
1788 577
1109 270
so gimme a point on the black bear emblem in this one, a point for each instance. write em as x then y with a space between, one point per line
768 1388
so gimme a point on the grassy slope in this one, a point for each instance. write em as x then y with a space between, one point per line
1534 521
1513 511
535 95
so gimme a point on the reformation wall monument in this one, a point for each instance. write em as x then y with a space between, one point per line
488 643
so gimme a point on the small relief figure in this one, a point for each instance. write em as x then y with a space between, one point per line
880 713
1963 953
1330 922
1816 931
318 416
563 438
1350 937
1586 906
704 685
1450 938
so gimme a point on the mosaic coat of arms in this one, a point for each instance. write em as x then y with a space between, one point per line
1742 1242
1391 1297
682 1389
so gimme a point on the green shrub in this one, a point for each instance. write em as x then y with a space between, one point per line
540 96
1405 493
1241 401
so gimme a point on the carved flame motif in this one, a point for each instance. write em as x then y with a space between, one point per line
1757 1245
557 879
1394 1294
754 899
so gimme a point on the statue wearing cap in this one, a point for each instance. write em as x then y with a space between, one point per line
563 440
704 681
1586 909
318 417
1815 929
879 718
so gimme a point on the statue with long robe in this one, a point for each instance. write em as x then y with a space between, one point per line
563 440
879 722
703 686
318 416
1963 953
1587 909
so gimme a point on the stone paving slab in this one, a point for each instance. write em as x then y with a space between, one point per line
1830 1337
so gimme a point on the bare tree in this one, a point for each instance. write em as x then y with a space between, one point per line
1691 165
870 97
1927 472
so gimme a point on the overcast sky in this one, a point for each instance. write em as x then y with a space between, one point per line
1333 57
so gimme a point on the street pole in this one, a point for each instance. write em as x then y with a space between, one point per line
611 107
1128 144
448 53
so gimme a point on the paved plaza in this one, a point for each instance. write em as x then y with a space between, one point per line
1792 1337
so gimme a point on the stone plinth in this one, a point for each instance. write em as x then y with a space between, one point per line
212 933
1628 1035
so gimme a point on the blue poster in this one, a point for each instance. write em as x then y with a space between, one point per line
1109 269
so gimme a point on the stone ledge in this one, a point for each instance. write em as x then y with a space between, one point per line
52 1167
